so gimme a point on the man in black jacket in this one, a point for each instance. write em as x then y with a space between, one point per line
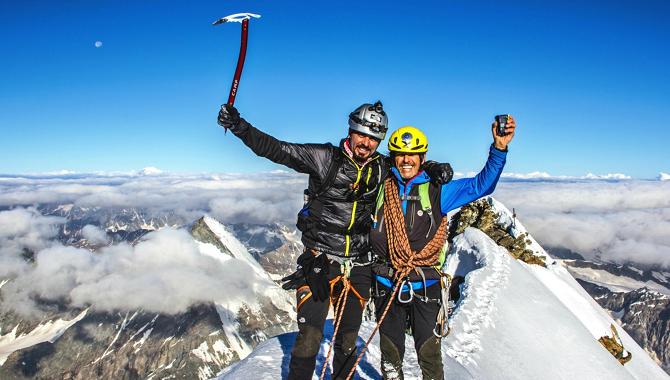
335 223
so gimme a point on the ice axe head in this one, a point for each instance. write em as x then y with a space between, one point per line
237 17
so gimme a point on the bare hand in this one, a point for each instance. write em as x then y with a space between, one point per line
501 142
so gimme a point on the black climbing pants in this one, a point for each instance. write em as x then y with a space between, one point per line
420 317
311 319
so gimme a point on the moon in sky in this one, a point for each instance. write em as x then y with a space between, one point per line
98 44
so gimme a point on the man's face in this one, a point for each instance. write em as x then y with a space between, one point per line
408 164
363 146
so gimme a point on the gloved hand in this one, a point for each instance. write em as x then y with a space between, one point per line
439 173
294 280
315 272
229 118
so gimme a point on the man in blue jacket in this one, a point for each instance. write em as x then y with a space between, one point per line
414 238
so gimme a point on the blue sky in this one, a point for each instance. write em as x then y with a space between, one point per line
587 81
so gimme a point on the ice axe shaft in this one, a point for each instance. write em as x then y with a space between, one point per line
240 62
242 18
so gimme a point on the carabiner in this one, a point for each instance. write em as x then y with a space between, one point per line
441 334
410 292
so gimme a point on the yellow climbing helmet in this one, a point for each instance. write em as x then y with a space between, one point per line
408 140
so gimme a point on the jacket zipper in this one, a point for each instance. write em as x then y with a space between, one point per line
359 172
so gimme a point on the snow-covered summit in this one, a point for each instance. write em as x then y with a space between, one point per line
513 321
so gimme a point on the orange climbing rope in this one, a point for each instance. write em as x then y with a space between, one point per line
339 311
403 258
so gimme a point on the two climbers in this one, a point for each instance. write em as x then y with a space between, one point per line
409 240
335 225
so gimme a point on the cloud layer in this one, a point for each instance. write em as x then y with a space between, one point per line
261 198
618 221
165 272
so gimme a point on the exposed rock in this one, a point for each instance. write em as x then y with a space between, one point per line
201 232
615 347
479 214
129 345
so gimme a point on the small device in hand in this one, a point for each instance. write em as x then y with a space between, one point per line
502 124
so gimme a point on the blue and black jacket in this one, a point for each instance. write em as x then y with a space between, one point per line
421 226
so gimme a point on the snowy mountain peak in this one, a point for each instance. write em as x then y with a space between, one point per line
208 230
150 170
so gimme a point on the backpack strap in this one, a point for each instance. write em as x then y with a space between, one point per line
378 205
334 167
424 196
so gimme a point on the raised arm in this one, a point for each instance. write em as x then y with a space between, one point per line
303 158
463 191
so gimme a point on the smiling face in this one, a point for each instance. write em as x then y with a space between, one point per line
408 164
362 146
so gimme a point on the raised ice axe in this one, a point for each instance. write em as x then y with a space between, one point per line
244 19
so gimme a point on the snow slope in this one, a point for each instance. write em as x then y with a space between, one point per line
514 321
270 359
46 332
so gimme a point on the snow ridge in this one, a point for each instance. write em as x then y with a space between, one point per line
481 288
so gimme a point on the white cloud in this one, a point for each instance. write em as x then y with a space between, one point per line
533 175
23 232
607 176
165 273
618 221
663 176
94 234
546 176
273 196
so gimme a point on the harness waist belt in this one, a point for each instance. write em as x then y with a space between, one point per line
416 285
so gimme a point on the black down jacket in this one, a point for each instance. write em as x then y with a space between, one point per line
338 221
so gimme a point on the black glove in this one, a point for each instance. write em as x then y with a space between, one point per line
294 280
229 118
439 173
315 273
